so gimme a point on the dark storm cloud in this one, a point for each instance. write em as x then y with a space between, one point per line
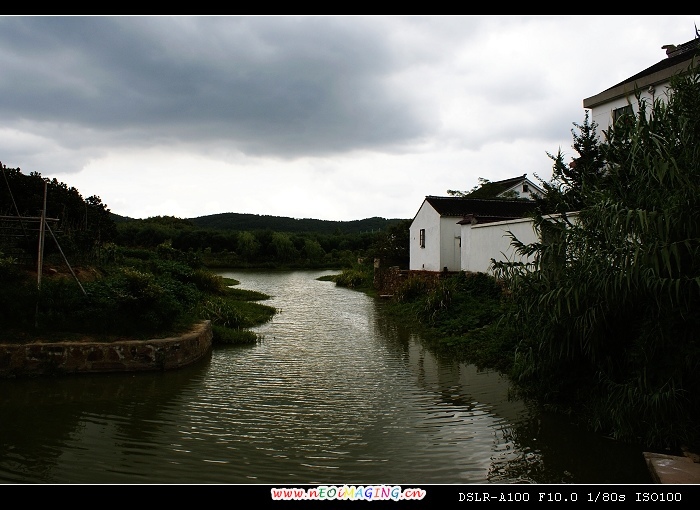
269 86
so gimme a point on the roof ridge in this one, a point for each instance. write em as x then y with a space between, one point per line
524 176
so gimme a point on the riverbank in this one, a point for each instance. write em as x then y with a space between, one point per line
64 358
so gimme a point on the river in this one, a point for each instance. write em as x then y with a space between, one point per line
334 392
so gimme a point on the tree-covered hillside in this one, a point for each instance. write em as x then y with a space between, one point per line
151 277
249 222
236 221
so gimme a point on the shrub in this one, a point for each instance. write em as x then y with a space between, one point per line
206 281
610 307
411 289
220 312
228 336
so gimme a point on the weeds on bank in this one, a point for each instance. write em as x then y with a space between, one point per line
359 277
228 336
461 316
142 296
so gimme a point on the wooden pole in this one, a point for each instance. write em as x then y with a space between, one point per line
40 256
65 259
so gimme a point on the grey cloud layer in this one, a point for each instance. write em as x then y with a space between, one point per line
269 86
77 89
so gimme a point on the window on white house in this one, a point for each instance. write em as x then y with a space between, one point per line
625 111
422 238
525 188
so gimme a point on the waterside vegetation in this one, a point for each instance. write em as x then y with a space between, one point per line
144 294
609 308
601 325
150 278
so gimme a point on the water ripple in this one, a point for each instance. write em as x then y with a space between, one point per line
334 393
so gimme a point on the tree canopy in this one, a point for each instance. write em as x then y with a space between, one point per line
84 224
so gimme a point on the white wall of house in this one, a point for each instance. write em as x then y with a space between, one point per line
450 244
486 241
482 242
442 243
427 257
602 114
525 189
653 83
457 247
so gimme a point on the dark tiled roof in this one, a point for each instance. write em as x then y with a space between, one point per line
481 208
685 51
493 189
678 61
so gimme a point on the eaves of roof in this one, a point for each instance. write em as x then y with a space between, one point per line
460 207
493 189
658 73
480 219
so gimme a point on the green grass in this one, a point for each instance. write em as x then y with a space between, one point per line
228 336
138 298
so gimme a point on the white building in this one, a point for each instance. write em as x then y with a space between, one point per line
651 83
465 233
436 229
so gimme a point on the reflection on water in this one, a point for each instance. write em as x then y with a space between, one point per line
334 393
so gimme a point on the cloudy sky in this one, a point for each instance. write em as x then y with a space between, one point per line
334 118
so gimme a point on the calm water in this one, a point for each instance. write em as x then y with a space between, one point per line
334 393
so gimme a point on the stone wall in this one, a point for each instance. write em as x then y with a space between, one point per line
19 360
388 279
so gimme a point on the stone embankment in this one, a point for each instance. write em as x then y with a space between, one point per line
32 359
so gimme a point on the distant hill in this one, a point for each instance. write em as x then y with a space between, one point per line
241 222
119 219
236 221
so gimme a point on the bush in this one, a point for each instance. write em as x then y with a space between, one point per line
411 289
350 278
228 336
208 282
220 312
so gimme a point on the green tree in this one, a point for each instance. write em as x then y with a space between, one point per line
392 246
248 246
610 306
84 224
313 250
283 247
570 183
462 194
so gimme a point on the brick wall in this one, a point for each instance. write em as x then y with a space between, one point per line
388 279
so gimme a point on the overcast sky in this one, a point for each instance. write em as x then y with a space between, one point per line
334 118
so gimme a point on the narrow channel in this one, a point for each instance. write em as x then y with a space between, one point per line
334 392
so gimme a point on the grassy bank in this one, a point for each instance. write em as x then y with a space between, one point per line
138 295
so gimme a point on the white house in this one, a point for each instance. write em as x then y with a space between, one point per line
652 83
466 232
435 235
515 187
436 231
